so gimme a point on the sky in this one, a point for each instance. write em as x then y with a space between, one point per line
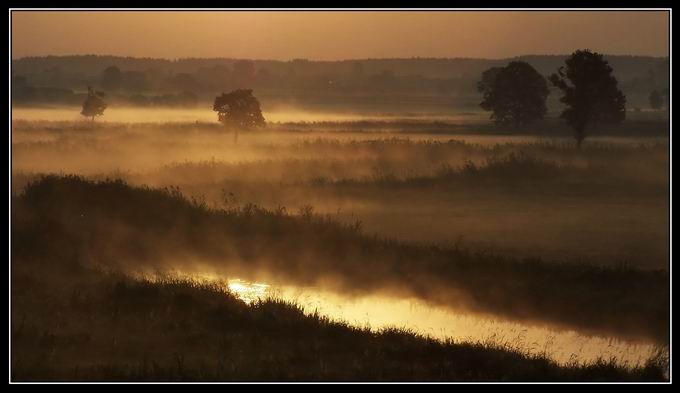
338 35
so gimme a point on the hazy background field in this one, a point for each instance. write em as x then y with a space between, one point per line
446 181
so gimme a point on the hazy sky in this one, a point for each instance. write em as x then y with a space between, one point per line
337 35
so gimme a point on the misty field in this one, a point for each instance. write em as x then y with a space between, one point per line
520 227
532 195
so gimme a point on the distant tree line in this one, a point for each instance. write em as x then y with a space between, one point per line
126 77
24 93
515 93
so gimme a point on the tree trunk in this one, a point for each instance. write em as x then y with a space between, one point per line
235 136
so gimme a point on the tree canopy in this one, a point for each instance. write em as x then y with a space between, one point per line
239 108
515 93
591 92
94 104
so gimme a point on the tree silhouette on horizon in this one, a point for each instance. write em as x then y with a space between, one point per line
591 92
515 94
239 110
94 104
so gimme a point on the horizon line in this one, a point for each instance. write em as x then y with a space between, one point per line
174 59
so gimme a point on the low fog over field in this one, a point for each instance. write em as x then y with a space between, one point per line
432 216
524 195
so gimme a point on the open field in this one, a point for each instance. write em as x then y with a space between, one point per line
524 232
530 195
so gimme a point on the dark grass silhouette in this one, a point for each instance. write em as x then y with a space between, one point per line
74 221
96 326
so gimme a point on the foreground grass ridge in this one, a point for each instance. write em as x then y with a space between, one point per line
108 327
110 224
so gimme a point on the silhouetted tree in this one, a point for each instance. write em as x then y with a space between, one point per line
239 109
515 93
111 78
591 92
488 79
655 100
94 104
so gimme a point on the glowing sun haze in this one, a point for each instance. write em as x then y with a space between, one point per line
337 35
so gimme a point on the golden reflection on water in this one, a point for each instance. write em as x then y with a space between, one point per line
377 312
247 291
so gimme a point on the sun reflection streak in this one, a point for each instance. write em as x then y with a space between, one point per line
247 291
377 312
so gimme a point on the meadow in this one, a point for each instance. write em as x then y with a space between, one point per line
520 195
521 226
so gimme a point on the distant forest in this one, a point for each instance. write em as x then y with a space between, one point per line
410 84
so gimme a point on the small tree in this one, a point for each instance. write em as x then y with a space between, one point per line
239 109
655 100
591 92
515 93
94 104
